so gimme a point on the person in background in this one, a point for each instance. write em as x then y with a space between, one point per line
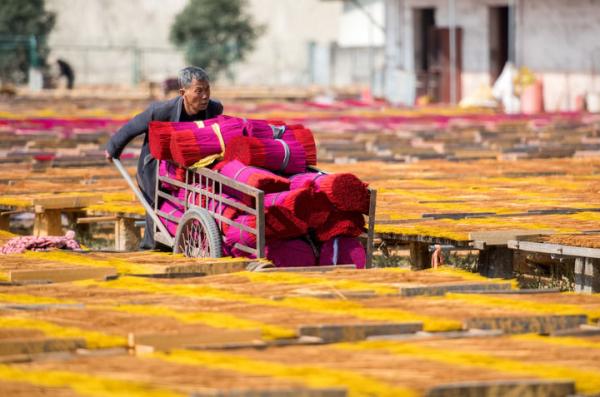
192 104
65 70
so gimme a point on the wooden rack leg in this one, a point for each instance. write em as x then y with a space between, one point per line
5 222
420 257
127 236
587 275
496 261
47 223
82 230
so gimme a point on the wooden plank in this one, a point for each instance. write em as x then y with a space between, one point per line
39 345
59 202
399 238
465 334
527 324
16 358
458 215
97 219
203 267
288 392
209 268
331 333
60 275
521 388
47 223
42 306
557 249
153 342
329 294
441 289
501 237
582 331
524 291
302 340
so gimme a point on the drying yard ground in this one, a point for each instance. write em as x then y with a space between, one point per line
122 323
387 332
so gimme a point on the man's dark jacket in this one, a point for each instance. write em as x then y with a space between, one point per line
169 110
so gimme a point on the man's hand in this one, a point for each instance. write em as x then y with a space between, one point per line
108 156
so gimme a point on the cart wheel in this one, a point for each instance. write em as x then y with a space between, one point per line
198 235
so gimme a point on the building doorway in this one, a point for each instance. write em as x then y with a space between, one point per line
423 28
442 68
498 40
432 58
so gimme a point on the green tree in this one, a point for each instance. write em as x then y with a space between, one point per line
214 34
24 26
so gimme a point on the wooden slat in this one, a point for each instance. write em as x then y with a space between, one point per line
527 324
59 202
202 267
328 294
197 340
557 249
61 274
501 237
96 219
42 306
353 332
38 345
301 340
424 335
521 388
288 392
441 289
523 291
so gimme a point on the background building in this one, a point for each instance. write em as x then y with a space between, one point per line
401 49
555 39
115 42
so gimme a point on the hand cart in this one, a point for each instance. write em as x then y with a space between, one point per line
199 230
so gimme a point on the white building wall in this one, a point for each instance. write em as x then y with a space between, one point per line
282 54
362 26
559 41
358 58
98 37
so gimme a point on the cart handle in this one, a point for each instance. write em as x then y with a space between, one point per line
145 204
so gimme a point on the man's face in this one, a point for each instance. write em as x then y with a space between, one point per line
196 96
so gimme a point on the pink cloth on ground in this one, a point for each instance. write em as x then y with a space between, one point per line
21 244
